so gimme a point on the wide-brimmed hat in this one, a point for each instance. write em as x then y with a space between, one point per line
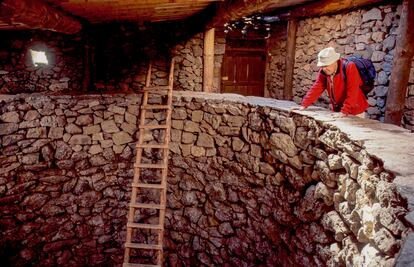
327 56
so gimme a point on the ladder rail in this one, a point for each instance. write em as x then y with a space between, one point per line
139 165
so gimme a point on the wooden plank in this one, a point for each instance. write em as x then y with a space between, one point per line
146 226
157 126
400 74
325 7
241 8
160 146
208 73
151 186
290 59
151 107
143 246
147 206
36 14
139 265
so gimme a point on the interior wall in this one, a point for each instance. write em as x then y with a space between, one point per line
120 54
276 46
248 184
369 32
18 74
122 58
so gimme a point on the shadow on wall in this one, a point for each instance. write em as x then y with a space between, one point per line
120 47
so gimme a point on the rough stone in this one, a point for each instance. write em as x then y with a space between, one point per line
80 139
109 127
373 14
121 138
283 142
12 117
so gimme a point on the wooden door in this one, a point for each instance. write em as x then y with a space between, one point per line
243 72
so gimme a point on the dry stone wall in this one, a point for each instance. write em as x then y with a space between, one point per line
370 33
18 74
122 60
276 62
189 69
249 184
66 166
120 56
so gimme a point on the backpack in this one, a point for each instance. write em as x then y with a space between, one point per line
366 70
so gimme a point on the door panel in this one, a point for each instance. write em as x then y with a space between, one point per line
243 73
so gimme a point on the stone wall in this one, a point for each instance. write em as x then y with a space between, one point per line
253 184
18 74
249 183
158 43
369 32
120 55
408 119
66 166
276 62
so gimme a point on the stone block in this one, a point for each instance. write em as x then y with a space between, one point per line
373 14
121 138
56 132
109 126
88 130
12 117
80 139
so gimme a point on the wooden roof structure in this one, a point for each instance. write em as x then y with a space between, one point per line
65 15
29 14
98 11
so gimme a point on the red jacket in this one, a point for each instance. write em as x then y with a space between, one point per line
348 95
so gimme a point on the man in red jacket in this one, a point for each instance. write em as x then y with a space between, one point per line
345 95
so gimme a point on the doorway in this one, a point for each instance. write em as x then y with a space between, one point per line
243 68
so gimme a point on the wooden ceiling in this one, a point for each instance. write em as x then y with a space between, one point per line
66 15
50 14
98 11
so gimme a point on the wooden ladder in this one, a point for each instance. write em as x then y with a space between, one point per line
138 185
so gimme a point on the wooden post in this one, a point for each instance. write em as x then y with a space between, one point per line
400 74
290 59
208 74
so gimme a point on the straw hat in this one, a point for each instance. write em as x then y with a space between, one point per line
327 56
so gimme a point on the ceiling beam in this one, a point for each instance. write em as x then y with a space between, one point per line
294 9
35 14
240 8
325 7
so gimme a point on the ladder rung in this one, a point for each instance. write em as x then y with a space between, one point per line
151 166
152 146
148 206
145 226
143 246
156 107
156 88
139 265
156 126
143 185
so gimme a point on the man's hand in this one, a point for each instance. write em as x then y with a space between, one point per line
339 115
297 108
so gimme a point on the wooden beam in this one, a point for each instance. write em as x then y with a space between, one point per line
290 58
325 7
285 9
400 74
36 14
241 8
208 74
